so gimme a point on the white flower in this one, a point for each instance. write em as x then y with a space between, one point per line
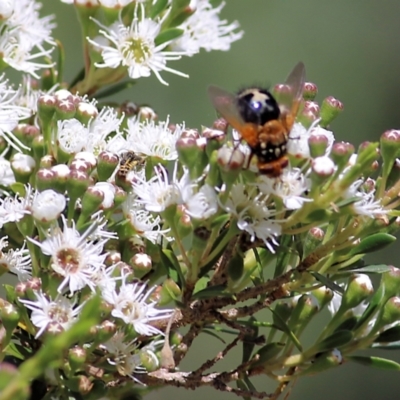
125 356
108 191
6 173
367 204
142 221
48 205
73 256
290 187
13 209
23 163
17 54
134 47
298 139
203 204
153 138
130 303
157 193
204 29
60 311
23 34
10 114
72 135
75 137
17 261
252 215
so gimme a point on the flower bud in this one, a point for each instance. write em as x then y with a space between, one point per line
310 91
389 314
341 153
330 109
391 282
38 147
390 149
306 307
26 133
76 357
318 145
61 174
9 316
322 169
77 184
106 164
312 240
85 112
45 179
188 151
22 165
149 360
324 295
48 205
170 291
358 289
46 108
105 331
141 264
91 202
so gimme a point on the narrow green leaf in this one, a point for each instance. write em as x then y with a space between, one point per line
168 35
373 269
240 384
217 290
213 334
347 325
170 261
248 342
327 282
282 326
390 335
336 340
158 7
268 352
378 362
373 306
373 243
114 89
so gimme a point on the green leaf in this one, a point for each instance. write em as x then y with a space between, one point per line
348 324
18 188
213 334
158 8
327 282
240 384
283 257
373 243
168 35
248 342
268 352
390 335
336 340
235 267
212 291
114 89
377 362
281 325
373 269
170 261
373 306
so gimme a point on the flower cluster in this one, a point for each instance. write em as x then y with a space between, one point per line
119 229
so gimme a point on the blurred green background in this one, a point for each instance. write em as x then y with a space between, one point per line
351 49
